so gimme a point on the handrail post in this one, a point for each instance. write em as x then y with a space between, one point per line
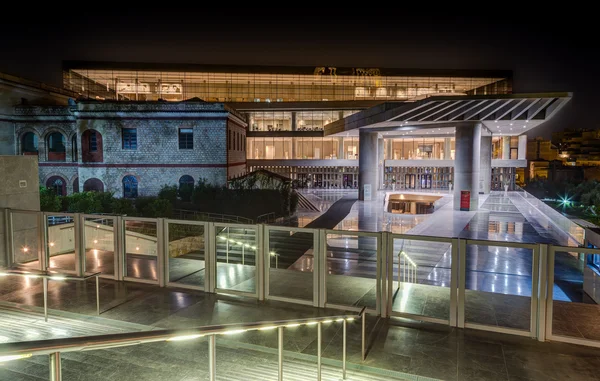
45 283
212 359
319 339
363 322
55 367
280 352
344 324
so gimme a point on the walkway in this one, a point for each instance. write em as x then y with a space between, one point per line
398 345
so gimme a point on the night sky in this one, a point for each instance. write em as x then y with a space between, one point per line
545 52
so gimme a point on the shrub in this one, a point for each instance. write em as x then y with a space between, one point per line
169 193
84 202
123 206
158 208
49 201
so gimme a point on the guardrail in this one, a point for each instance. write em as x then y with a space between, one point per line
54 348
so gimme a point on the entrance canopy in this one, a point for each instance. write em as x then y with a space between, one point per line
510 114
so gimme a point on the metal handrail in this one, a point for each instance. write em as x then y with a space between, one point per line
54 347
216 217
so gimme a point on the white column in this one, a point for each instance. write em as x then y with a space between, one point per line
367 163
467 163
380 161
485 165
522 150
505 147
447 148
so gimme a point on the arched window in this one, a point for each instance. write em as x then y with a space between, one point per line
91 146
130 187
58 184
76 185
29 144
56 147
93 185
186 186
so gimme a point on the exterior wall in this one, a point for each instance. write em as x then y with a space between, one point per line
19 189
236 150
156 161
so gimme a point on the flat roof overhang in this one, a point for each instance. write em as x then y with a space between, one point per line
508 114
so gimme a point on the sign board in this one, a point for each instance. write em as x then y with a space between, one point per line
465 200
367 192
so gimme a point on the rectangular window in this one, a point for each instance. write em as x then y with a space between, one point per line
129 138
186 138
93 146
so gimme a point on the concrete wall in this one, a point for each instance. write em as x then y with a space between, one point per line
19 189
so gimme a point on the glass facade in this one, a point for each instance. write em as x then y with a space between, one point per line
426 178
294 120
419 149
319 177
325 84
277 148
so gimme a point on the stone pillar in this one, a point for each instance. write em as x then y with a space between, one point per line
447 148
340 148
466 163
485 165
380 163
293 120
367 163
522 150
505 147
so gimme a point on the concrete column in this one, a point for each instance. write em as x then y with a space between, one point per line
340 148
522 150
380 163
505 147
447 148
466 163
293 120
367 163
485 165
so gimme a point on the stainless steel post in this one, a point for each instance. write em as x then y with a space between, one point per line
55 369
319 326
363 331
97 295
280 352
212 360
243 254
344 351
227 247
45 283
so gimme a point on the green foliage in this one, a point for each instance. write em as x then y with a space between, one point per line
158 208
169 193
84 202
123 206
49 201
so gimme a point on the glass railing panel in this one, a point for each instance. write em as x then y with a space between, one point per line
25 239
291 262
351 270
498 286
576 295
61 242
141 249
99 241
186 254
236 257
421 277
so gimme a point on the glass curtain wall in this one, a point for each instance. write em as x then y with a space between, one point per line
325 84
420 149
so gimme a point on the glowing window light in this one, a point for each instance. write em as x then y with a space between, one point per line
185 337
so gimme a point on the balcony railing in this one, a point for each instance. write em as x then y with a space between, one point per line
446 280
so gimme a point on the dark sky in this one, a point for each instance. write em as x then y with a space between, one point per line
546 51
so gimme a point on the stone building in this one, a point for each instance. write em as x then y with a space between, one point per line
131 148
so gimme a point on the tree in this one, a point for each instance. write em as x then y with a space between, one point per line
49 201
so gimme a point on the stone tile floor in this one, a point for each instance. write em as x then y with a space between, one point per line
396 344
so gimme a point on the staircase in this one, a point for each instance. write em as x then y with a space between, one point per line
305 204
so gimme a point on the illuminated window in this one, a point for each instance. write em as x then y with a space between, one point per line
130 187
93 142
